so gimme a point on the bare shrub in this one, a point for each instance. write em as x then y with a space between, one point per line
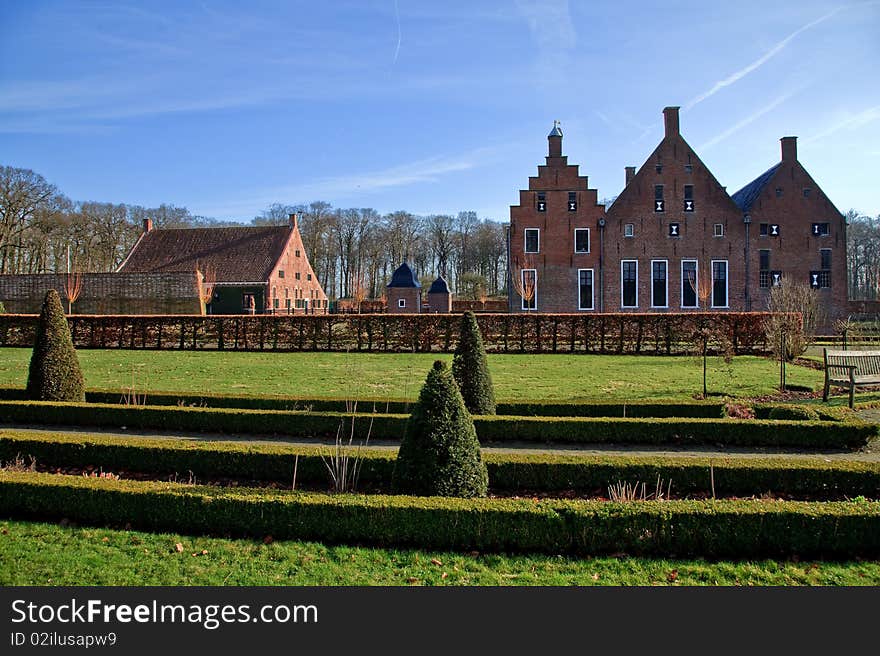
623 491
796 312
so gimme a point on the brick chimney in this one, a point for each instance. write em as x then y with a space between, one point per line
292 220
789 149
630 173
670 118
555 140
148 225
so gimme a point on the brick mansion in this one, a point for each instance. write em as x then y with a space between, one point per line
674 239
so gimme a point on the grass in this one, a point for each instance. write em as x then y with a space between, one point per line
320 375
33 553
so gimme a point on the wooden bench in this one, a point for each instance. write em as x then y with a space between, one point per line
851 369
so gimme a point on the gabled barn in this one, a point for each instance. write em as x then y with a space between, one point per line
252 269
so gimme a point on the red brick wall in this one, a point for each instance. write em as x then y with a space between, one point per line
795 252
412 296
556 262
106 293
299 281
651 240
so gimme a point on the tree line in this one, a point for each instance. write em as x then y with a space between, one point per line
353 251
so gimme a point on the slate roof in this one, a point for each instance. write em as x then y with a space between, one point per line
403 276
439 286
746 197
237 254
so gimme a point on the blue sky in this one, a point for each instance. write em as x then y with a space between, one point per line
432 107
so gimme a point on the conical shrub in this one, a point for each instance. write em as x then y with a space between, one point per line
471 369
54 373
440 453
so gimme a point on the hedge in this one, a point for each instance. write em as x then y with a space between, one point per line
740 529
659 333
508 472
692 409
585 430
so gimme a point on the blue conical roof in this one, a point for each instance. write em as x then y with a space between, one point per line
404 276
439 286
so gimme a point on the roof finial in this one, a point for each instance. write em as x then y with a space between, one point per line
557 130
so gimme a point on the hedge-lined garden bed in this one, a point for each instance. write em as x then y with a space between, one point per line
508 472
695 409
739 529
584 430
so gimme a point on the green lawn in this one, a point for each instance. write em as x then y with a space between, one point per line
48 554
316 375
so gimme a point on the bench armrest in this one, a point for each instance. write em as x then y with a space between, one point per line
851 367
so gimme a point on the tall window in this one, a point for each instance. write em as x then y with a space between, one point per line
530 289
533 240
629 291
689 198
658 284
585 289
719 283
541 201
572 201
825 273
659 205
582 240
764 268
689 284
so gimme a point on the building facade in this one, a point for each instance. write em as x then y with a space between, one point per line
674 239
250 270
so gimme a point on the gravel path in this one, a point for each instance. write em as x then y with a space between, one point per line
509 447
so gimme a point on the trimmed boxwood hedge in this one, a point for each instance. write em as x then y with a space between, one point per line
508 472
741 529
585 430
693 409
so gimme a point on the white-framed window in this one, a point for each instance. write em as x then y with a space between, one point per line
718 230
690 283
719 284
532 240
659 284
581 240
529 278
629 283
586 296
629 229
401 302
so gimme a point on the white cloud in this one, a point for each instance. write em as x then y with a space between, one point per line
775 50
346 186
849 123
749 119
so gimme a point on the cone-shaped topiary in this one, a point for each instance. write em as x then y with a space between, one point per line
440 453
54 372
471 369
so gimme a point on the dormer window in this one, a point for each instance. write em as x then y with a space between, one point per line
541 201
659 204
689 198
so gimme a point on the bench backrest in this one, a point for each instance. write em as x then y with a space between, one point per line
868 362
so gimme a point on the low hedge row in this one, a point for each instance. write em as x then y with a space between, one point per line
695 409
508 472
740 529
799 434
802 412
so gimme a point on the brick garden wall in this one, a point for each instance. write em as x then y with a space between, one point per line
106 293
